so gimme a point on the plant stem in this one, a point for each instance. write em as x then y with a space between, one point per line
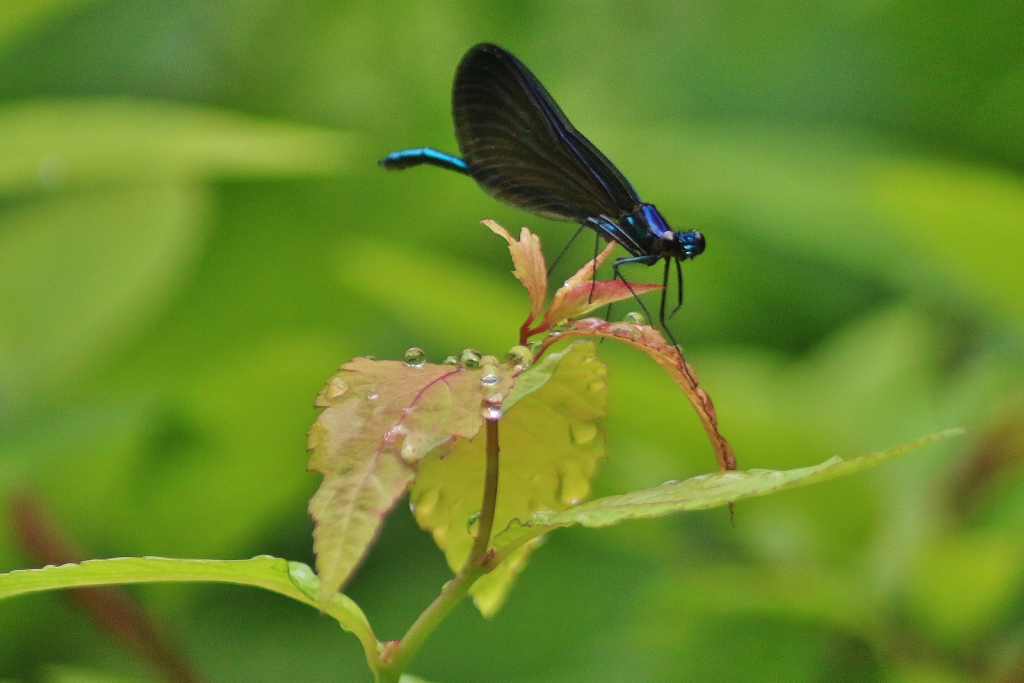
490 501
477 564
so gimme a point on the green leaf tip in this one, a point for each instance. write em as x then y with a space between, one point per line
697 493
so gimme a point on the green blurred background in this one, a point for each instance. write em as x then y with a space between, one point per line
194 234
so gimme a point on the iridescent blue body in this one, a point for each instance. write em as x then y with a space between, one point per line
518 145
424 155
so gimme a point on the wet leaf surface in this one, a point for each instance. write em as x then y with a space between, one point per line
551 439
381 419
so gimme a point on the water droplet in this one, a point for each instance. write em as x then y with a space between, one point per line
393 435
412 508
490 407
409 453
670 482
634 318
426 503
490 379
450 360
370 357
624 331
583 433
415 357
488 360
519 357
373 396
588 324
559 327
535 347
470 358
573 484
472 521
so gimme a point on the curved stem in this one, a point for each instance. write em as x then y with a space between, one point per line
490 501
477 564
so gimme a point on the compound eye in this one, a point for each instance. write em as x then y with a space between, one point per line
691 243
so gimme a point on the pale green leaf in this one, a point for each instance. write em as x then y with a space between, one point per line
550 440
292 579
59 144
697 493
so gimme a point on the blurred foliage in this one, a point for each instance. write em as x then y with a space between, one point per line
194 235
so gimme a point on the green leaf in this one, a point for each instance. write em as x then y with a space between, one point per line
55 144
381 419
697 493
292 579
550 439
77 270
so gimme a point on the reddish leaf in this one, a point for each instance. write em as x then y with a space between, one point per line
529 266
381 418
572 302
586 273
650 341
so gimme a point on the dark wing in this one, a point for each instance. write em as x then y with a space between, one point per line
522 149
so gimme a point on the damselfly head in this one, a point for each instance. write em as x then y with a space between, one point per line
688 244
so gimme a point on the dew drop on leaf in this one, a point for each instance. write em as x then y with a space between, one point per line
373 396
634 318
491 406
395 434
415 358
583 433
471 522
625 331
450 360
573 485
470 358
588 324
490 379
519 356
426 503
559 327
